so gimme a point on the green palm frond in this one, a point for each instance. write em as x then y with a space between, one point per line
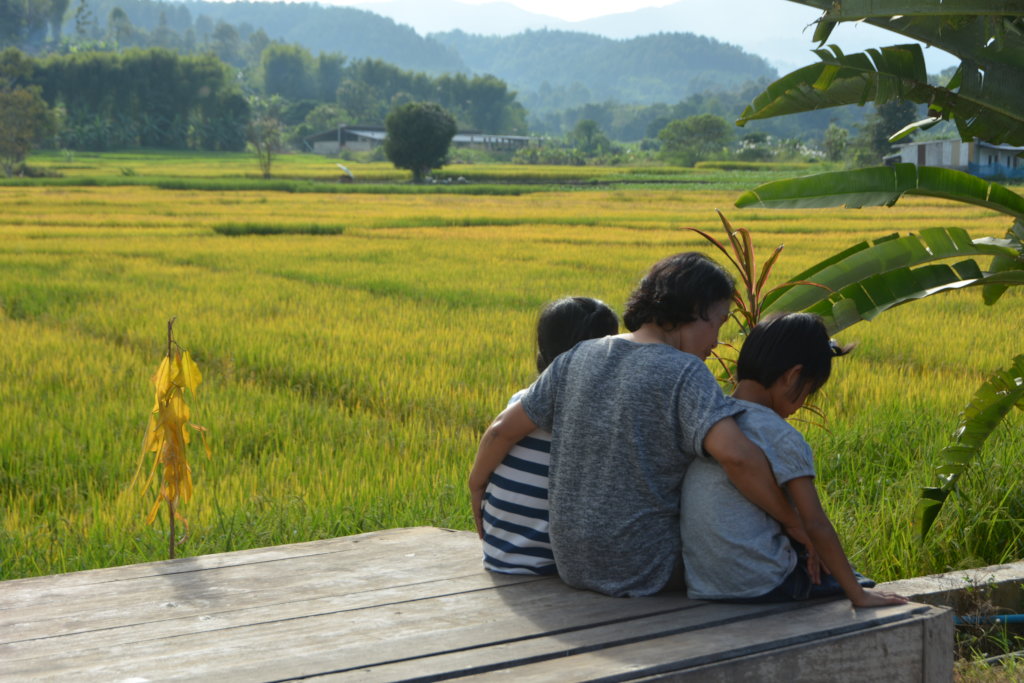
990 404
882 186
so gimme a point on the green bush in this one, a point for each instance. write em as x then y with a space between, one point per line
238 229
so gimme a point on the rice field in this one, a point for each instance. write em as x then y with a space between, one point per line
348 374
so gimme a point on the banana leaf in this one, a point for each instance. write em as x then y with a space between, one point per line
986 411
882 186
1003 263
869 298
891 254
985 104
878 75
855 10
987 32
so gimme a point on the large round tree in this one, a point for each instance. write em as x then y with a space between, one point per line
418 135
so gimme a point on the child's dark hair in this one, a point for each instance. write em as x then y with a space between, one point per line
678 290
780 342
566 322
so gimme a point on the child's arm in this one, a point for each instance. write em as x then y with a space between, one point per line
747 468
826 543
506 430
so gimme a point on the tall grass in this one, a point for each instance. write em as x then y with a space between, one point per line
347 378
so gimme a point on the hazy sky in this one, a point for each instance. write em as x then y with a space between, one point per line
570 10
777 31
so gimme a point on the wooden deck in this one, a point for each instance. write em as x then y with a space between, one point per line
416 604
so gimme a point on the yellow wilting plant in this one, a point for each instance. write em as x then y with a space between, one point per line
168 435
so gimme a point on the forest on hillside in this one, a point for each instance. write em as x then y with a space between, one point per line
616 74
312 67
666 67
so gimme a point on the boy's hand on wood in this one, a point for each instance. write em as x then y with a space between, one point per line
871 598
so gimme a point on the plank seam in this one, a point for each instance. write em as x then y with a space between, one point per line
787 607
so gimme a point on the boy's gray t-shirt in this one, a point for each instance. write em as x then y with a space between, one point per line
626 420
733 549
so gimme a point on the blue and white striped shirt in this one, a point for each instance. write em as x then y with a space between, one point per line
515 510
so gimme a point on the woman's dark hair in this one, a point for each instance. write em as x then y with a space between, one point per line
566 322
678 290
780 342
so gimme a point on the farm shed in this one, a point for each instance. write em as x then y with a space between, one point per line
977 157
363 138
348 138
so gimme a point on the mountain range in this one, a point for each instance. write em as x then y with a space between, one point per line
714 54
778 31
550 69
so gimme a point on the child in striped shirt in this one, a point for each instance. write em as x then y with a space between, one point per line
514 523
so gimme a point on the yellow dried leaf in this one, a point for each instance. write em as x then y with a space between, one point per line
162 378
175 374
190 372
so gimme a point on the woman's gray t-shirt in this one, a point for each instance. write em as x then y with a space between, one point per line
626 420
732 549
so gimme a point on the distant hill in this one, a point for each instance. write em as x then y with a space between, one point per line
551 69
666 67
775 30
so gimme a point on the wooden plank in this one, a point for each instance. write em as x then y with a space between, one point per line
240 592
398 604
357 551
227 591
120 625
888 653
806 646
510 656
358 637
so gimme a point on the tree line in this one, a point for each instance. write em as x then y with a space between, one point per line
167 80
155 97
629 87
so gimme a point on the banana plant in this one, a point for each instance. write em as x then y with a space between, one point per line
874 276
985 99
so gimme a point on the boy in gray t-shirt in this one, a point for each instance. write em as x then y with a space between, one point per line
731 549
717 521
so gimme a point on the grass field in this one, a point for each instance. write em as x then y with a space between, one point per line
349 376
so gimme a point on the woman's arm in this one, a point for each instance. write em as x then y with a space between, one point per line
506 430
747 468
826 541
